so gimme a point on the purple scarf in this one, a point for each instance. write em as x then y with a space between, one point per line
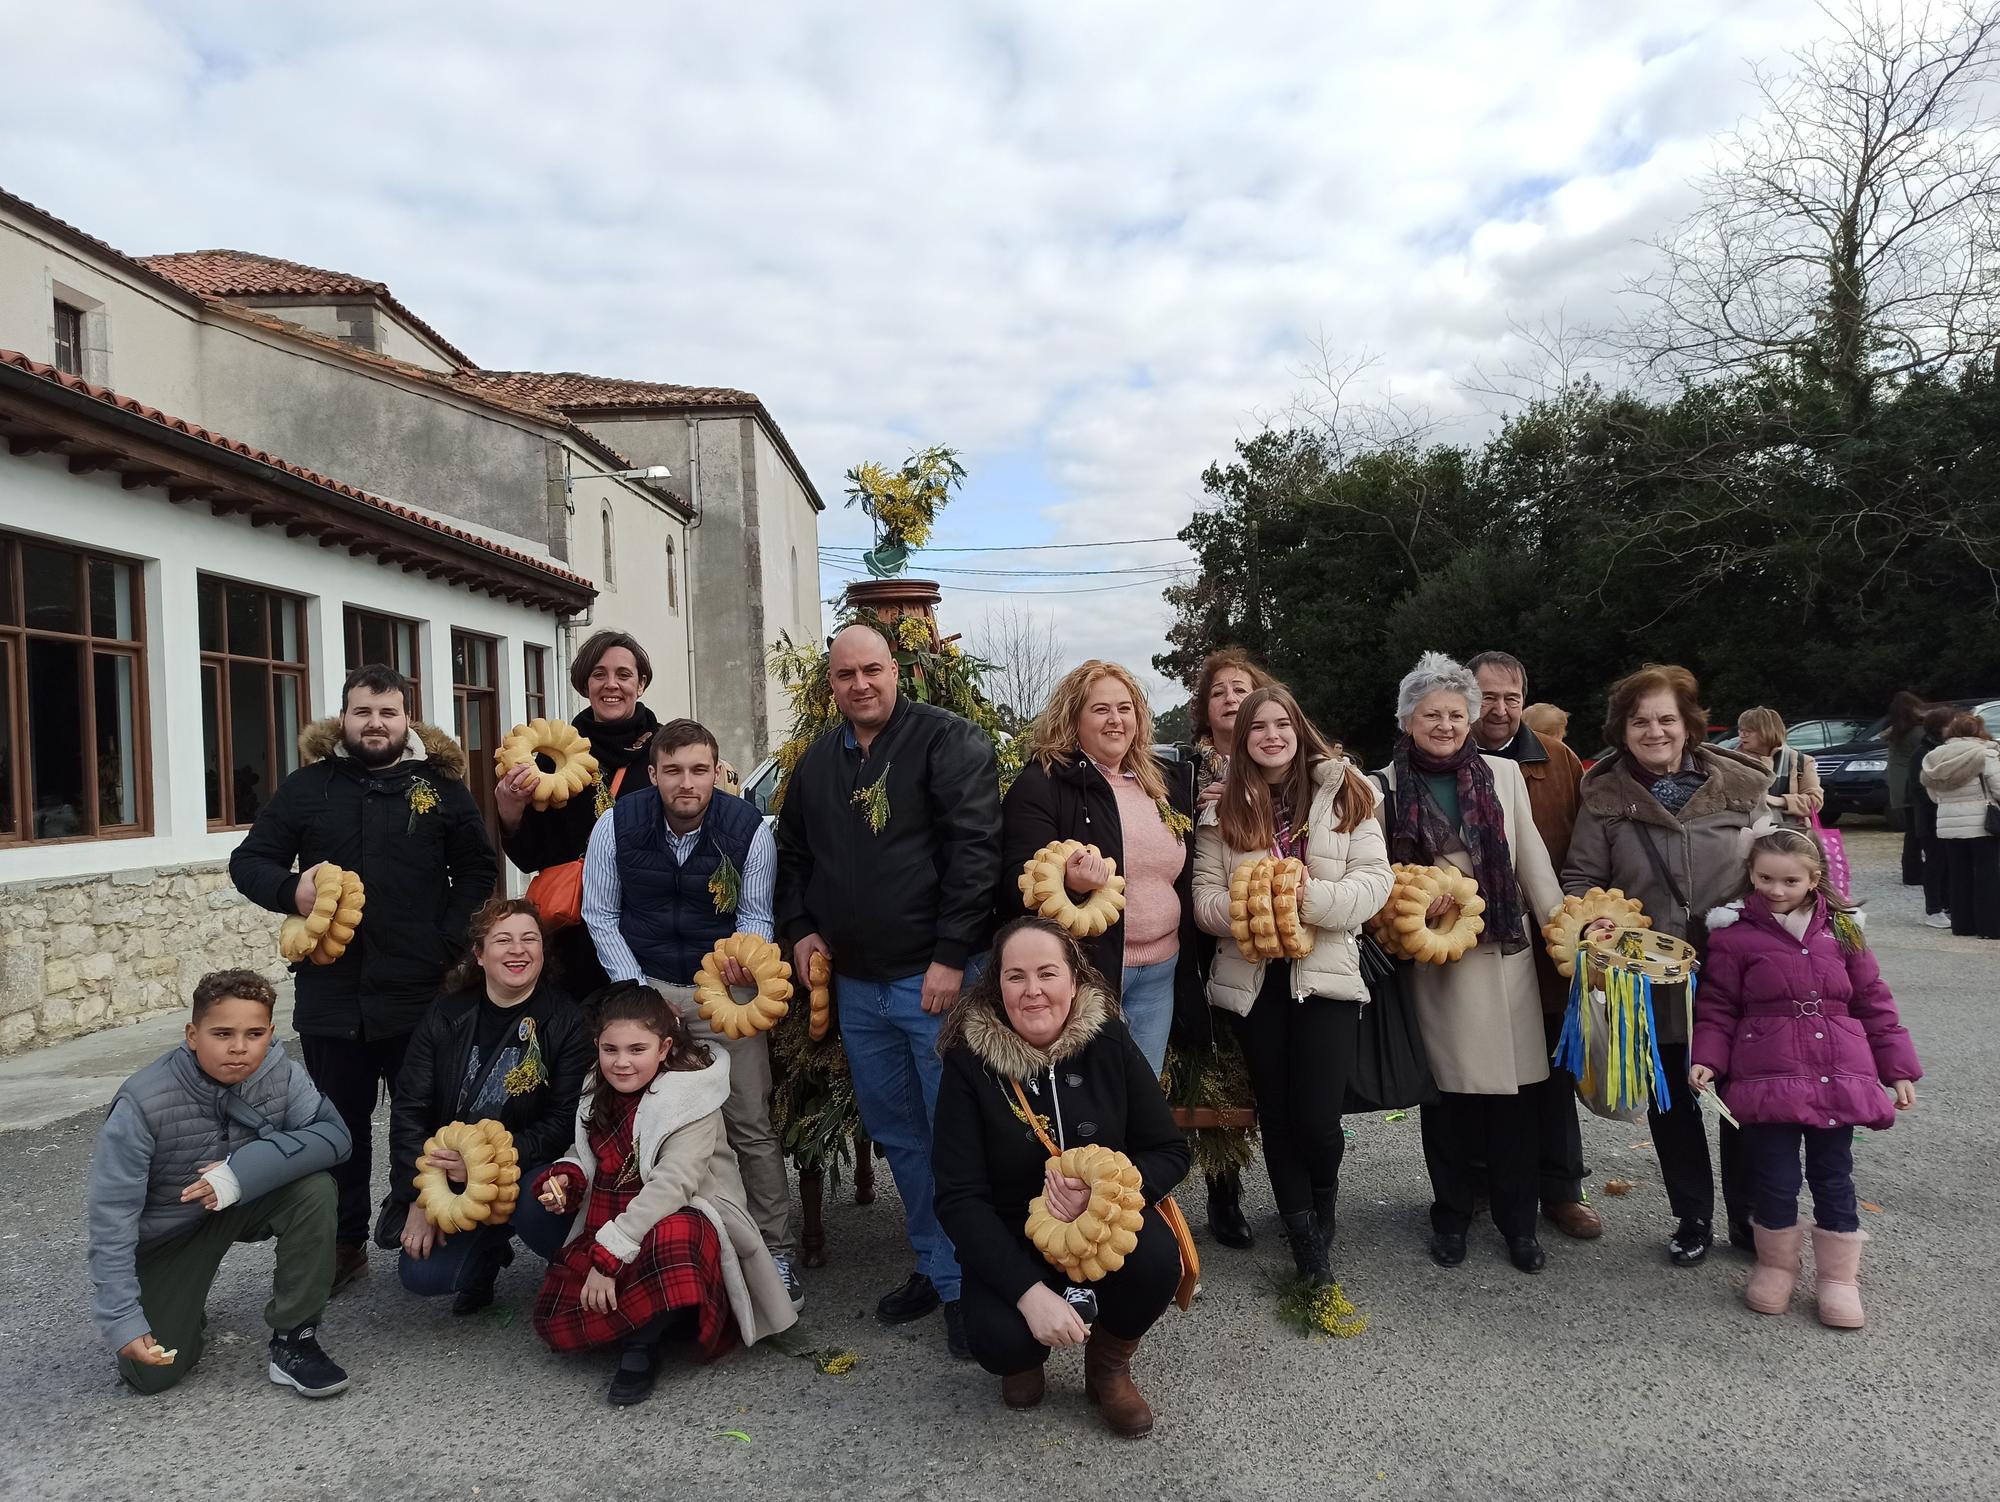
1422 834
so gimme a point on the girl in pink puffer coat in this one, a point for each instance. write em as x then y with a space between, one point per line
1793 1015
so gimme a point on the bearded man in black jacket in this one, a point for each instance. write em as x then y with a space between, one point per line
888 856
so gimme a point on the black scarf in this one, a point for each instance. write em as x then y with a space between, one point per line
1422 833
623 744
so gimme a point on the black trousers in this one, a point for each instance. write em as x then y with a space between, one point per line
1128 1302
1461 1131
1559 1139
1923 812
575 956
1913 848
1972 886
1680 1142
352 1073
1299 1054
1772 1153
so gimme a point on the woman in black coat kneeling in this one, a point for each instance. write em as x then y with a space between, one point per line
503 1043
1041 1018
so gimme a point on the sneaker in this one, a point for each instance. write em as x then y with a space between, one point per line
633 1381
916 1298
954 1331
1688 1246
298 1362
795 1289
350 1264
1937 920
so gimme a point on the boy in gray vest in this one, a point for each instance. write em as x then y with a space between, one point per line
667 874
221 1140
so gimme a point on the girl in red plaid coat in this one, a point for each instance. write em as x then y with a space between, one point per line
664 1245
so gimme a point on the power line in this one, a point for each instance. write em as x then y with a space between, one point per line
1173 566
1024 547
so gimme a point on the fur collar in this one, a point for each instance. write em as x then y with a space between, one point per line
1735 781
986 1032
321 740
1729 913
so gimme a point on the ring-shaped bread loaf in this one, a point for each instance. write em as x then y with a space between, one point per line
1567 923
819 976
1100 1239
773 977
492 1177
1410 903
1288 879
1045 890
563 744
346 918
299 937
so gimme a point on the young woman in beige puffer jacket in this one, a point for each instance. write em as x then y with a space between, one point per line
1963 777
1297 1020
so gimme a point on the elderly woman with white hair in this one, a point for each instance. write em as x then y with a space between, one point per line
1481 1015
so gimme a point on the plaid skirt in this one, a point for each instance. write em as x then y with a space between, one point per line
679 1266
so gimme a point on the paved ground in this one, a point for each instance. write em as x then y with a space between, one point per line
1609 1376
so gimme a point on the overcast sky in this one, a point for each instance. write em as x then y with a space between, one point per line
1088 244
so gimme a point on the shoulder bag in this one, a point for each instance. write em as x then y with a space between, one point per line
557 891
1391 1069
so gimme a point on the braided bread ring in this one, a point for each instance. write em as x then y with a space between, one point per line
1415 938
299 937
1243 882
819 976
561 743
1294 937
1100 1239
492 1177
1567 923
1045 890
346 918
767 967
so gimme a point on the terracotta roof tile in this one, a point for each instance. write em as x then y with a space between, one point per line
569 388
241 273
136 408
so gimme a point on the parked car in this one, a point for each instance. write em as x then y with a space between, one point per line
1855 774
1812 735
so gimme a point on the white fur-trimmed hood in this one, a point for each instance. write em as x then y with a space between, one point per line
1722 917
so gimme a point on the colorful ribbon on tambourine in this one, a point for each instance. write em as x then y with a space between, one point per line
1634 1075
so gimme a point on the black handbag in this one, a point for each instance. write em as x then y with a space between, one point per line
1391 1072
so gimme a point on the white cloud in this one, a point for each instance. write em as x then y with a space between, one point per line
906 223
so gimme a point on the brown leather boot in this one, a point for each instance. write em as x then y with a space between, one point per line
1022 1389
1107 1382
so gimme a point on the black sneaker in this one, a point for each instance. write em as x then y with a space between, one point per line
795 1289
477 1294
1688 1247
954 1331
298 1362
633 1381
913 1300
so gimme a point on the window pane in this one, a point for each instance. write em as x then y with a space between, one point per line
48 578
7 825
55 730
7 602
288 631
405 660
249 729
211 736
291 720
117 744
111 599
247 625
209 593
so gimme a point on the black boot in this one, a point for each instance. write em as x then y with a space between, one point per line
478 1290
1308 1250
1324 1204
1225 1211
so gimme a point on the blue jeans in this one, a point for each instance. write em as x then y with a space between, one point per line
456 1261
1774 1152
892 1053
1148 1004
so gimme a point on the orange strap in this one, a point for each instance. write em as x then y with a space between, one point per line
1034 1120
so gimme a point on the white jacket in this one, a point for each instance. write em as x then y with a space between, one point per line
1347 881
1963 776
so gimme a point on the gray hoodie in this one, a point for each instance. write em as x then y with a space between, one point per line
165 1123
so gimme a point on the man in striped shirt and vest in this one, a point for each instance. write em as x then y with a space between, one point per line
655 908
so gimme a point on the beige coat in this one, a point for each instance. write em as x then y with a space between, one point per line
1347 881
1482 1015
1803 796
1963 777
1706 849
685 1161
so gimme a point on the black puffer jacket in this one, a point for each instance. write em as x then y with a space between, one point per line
890 902
416 837
551 836
1091 1085
543 1120
1072 801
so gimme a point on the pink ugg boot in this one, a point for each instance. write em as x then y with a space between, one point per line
1777 1274
1837 1277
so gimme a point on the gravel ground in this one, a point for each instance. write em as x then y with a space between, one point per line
1611 1375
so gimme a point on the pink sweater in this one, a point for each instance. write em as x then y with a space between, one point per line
1153 863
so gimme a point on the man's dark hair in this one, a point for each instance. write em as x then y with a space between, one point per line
677 735
377 678
591 653
244 985
1506 662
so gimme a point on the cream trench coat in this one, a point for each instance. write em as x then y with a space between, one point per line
1481 1016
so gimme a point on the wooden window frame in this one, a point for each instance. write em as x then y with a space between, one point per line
15 638
275 668
534 681
467 700
352 620
68 315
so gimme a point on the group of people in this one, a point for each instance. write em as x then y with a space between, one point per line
1944 783
651 1180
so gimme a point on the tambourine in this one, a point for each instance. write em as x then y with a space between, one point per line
1660 958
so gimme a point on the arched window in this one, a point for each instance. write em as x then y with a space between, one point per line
610 579
673 582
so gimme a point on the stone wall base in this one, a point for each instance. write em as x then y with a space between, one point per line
80 953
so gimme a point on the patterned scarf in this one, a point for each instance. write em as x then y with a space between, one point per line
1422 834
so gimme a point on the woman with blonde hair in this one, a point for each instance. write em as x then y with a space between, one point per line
1795 794
1092 776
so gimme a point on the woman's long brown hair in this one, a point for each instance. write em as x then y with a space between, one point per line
1246 812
